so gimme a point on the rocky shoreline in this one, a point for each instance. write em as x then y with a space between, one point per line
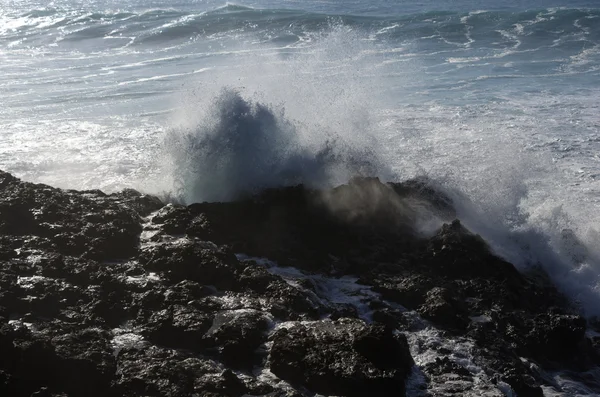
290 292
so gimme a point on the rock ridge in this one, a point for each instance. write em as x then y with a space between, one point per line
369 288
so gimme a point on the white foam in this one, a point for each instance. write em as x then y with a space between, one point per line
143 279
124 338
325 290
279 123
565 383
30 282
19 323
426 346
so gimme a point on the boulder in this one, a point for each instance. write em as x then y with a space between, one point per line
342 357
236 335
191 260
155 371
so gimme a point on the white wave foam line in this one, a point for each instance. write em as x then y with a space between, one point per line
147 62
498 55
177 22
511 36
586 56
465 19
387 29
566 383
153 78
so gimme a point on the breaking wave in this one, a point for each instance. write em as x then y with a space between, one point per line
241 146
316 119
285 121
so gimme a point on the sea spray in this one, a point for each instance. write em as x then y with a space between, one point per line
318 117
496 103
533 234
241 147
281 120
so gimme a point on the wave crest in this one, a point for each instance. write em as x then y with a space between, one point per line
241 146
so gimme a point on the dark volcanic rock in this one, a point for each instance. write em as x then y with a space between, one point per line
178 327
120 295
173 219
555 337
304 228
89 224
237 335
442 307
162 372
285 302
343 357
192 260
143 204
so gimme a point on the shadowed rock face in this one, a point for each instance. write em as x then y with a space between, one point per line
121 295
342 357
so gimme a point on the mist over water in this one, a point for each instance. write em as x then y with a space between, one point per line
242 147
496 105
307 118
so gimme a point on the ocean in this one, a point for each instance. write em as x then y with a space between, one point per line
495 103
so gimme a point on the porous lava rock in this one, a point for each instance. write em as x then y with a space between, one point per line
285 292
343 357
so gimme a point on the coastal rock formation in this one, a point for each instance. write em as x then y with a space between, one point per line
365 289
343 357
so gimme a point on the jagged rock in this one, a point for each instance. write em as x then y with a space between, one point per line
162 372
88 224
90 305
407 289
302 227
236 335
256 278
343 357
286 302
143 204
178 327
420 190
85 362
173 219
191 260
555 337
442 307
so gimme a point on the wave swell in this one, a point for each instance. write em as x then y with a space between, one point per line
44 26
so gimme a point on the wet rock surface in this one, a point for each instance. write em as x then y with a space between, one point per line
343 357
122 295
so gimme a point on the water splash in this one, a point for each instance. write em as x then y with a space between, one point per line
243 146
288 120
